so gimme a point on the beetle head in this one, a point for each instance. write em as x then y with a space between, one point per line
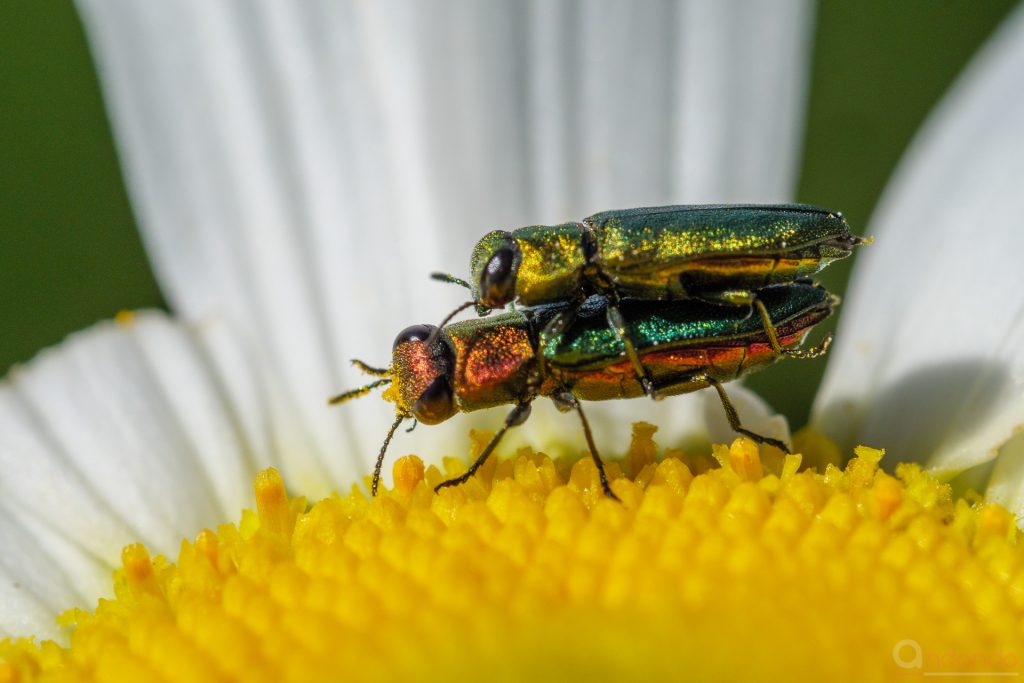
493 270
829 237
421 372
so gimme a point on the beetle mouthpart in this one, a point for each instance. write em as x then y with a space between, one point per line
840 247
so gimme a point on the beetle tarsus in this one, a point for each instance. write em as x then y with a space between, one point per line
813 352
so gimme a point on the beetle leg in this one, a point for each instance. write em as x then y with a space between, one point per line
553 330
734 418
618 325
561 403
606 284
514 419
773 337
748 298
573 402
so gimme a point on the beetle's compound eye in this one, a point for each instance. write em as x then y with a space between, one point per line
413 333
435 404
498 281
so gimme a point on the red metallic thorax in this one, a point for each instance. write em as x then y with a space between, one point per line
492 362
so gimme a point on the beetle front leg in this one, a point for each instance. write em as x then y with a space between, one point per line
515 418
734 417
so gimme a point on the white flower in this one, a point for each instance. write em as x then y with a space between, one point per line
298 170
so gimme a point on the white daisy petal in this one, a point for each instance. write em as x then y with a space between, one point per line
927 358
121 434
34 589
300 168
40 485
1006 484
740 99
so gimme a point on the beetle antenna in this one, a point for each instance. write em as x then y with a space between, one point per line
433 335
356 393
454 313
450 279
369 369
380 456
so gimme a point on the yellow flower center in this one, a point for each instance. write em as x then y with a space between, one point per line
744 569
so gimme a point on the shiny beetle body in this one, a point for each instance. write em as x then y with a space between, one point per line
719 254
685 345
657 253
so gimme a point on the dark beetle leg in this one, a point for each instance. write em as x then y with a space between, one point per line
515 418
618 325
734 418
570 400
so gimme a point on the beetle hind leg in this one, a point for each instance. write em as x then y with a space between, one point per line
734 417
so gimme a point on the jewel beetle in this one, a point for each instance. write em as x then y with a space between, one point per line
715 253
685 345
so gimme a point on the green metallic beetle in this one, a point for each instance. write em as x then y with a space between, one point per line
715 253
684 345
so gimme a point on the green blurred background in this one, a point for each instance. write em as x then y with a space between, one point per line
70 253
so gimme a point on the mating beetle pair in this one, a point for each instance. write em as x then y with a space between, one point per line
656 301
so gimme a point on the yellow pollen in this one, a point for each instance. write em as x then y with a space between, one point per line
747 565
